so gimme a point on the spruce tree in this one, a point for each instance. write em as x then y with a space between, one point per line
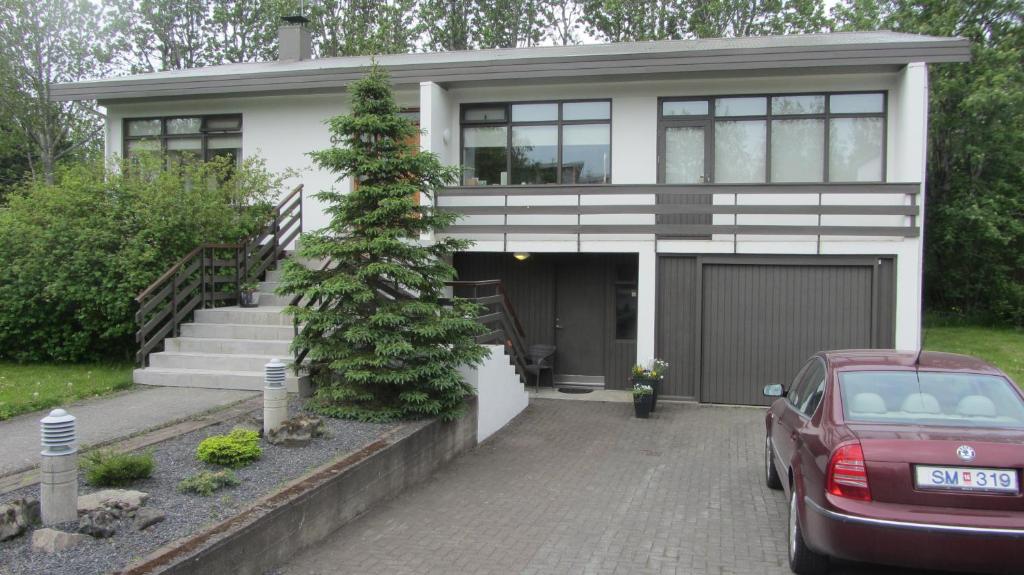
383 341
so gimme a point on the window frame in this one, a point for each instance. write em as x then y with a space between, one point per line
204 133
710 118
508 124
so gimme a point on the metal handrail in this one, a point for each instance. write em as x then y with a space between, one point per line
168 301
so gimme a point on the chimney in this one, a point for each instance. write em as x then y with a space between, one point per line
294 42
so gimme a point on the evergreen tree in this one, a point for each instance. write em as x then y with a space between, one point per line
382 342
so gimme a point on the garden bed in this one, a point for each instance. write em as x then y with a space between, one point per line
186 514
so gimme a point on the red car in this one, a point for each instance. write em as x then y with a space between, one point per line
900 458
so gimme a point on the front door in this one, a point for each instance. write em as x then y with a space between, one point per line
580 308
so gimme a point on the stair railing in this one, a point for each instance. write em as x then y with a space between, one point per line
212 275
500 317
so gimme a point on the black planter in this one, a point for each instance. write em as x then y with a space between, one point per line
249 299
655 387
642 405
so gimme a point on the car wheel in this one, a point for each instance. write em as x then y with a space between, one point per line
801 559
771 478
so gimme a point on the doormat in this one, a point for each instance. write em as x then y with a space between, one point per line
574 390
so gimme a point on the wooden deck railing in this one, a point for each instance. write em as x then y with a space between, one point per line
500 317
686 210
212 275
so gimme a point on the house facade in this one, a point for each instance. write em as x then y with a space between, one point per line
729 205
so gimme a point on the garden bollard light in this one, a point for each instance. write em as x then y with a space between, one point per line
58 482
275 396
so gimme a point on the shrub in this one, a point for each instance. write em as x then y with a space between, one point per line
236 449
77 252
207 482
106 468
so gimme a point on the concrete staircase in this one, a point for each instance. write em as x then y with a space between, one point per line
226 347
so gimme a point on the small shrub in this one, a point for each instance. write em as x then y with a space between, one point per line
106 468
236 449
207 482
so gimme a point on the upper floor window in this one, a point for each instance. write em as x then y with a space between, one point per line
536 143
184 138
783 138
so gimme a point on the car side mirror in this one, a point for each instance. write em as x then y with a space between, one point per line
774 390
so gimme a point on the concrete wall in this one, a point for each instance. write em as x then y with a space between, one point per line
309 510
500 394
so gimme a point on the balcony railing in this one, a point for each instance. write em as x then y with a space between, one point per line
687 211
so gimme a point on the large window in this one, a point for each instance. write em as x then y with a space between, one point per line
536 143
185 138
782 138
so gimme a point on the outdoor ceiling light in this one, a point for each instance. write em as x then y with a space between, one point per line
521 256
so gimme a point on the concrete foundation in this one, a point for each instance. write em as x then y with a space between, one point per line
58 488
275 408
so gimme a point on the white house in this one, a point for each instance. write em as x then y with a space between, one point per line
729 205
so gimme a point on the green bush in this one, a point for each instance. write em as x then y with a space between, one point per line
106 468
77 252
207 482
236 449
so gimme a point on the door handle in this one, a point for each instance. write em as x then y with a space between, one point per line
558 323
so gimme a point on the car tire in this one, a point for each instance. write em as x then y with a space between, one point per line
771 473
802 560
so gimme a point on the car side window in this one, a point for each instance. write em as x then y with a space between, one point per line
794 392
804 389
813 394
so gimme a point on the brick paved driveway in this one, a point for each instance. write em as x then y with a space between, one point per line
582 487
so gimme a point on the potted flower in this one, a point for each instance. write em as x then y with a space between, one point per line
249 294
652 374
643 400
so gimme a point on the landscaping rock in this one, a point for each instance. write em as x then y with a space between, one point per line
118 500
147 517
98 523
17 516
297 431
52 540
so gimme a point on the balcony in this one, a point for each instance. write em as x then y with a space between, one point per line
671 211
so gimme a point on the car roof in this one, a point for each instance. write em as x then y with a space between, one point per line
901 359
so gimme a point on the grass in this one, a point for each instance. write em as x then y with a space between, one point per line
31 387
1002 347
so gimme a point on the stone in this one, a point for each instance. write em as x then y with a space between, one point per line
98 523
124 500
17 516
297 431
147 517
52 541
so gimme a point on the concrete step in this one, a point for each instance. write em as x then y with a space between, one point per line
237 331
269 286
262 315
213 361
274 275
268 347
268 299
211 379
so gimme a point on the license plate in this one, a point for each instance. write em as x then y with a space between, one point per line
966 479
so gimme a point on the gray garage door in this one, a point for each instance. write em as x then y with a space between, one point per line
755 321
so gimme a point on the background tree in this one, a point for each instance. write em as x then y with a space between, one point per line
382 343
447 24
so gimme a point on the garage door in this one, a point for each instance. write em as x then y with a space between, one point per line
755 321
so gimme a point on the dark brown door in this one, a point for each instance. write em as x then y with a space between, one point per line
580 308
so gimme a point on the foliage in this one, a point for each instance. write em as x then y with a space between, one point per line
206 482
236 449
974 235
77 252
383 342
642 389
653 369
999 346
108 468
25 388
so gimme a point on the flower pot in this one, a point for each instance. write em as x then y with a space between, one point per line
655 384
642 405
249 299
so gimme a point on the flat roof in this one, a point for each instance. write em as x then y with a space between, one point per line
623 60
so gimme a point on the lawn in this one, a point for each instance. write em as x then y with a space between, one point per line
1003 348
29 387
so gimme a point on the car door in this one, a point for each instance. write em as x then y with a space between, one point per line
790 419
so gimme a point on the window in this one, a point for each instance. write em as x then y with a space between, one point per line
781 138
625 301
533 143
803 390
185 138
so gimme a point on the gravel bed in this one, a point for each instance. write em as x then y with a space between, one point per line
186 513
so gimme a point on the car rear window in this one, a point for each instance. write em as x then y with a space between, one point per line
930 398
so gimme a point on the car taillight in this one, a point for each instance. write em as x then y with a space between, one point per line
847 474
